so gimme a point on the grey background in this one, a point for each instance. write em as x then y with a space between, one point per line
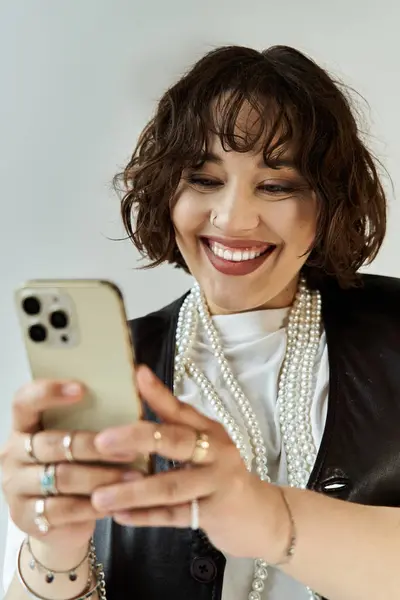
79 78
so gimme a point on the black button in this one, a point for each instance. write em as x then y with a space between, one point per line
203 569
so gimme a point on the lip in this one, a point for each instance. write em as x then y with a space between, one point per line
228 267
236 242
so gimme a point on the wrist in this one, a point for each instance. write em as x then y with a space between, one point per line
44 582
58 556
281 533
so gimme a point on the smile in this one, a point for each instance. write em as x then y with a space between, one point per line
236 257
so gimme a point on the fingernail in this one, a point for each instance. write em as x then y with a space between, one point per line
71 389
106 439
103 499
148 375
131 476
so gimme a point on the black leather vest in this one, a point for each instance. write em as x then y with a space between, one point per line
358 460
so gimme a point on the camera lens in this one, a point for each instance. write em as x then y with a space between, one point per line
59 319
37 333
31 305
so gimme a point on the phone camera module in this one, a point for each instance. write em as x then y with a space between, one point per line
37 333
31 306
59 319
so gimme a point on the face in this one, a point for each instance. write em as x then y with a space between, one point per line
244 229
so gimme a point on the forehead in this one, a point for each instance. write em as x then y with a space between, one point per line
254 127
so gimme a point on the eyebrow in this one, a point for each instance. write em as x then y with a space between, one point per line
277 163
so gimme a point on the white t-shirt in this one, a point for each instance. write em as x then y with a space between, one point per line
254 344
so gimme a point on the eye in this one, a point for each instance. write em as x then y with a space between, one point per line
276 189
203 182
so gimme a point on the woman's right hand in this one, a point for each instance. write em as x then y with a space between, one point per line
70 514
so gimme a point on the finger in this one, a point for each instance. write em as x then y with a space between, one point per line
173 487
176 442
60 511
161 516
48 447
35 397
165 405
70 479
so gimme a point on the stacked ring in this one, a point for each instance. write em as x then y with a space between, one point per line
67 442
48 484
29 448
40 519
201 448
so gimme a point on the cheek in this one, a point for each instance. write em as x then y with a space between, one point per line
298 223
188 216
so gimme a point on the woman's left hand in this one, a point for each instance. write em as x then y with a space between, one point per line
241 515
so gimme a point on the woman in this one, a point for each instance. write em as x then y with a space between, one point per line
278 371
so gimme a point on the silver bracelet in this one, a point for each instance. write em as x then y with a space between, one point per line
51 573
293 533
96 578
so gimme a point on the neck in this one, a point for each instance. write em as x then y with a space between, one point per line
282 299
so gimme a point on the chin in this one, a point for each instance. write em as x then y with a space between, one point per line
229 301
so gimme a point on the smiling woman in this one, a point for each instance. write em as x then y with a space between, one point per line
245 128
278 369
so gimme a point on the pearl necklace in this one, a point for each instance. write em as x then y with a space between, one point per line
295 393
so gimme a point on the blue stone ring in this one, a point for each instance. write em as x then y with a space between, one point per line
48 484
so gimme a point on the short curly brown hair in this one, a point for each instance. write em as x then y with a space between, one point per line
301 108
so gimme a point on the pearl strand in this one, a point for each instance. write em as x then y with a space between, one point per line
295 392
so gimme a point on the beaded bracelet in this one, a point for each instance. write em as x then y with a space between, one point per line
86 594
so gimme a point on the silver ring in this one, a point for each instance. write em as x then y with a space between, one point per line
194 514
48 484
29 447
67 442
40 520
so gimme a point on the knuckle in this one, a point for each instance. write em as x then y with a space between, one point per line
47 446
170 515
172 489
64 511
64 477
49 440
84 441
177 435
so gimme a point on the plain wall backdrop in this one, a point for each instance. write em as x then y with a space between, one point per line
79 78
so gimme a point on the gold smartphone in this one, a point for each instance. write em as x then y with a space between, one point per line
77 329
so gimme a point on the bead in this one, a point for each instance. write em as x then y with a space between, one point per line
294 397
261 573
258 584
260 562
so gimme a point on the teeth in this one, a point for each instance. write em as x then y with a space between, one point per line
233 255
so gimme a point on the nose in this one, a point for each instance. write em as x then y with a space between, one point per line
235 211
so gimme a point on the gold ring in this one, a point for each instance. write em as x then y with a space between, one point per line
40 519
66 443
157 438
201 448
29 448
